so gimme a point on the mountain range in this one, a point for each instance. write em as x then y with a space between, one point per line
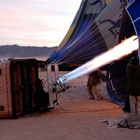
25 51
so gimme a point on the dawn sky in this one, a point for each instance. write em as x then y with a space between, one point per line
36 22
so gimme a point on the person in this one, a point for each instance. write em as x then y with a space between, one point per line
93 80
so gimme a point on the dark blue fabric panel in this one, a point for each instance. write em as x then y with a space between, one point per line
64 53
116 83
78 31
130 0
54 56
113 95
82 26
89 46
134 12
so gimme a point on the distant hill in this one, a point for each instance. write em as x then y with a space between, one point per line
25 51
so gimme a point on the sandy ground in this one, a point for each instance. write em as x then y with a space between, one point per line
75 118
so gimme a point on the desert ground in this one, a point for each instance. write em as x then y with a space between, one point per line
75 118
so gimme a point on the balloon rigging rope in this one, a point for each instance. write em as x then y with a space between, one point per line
82 41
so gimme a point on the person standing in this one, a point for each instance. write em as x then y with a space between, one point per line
93 80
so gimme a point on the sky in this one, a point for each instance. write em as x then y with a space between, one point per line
36 22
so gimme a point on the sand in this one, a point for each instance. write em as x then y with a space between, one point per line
75 118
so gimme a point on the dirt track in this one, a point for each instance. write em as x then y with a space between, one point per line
76 118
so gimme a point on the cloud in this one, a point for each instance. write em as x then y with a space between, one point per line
45 21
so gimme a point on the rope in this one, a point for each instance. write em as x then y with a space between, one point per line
84 38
